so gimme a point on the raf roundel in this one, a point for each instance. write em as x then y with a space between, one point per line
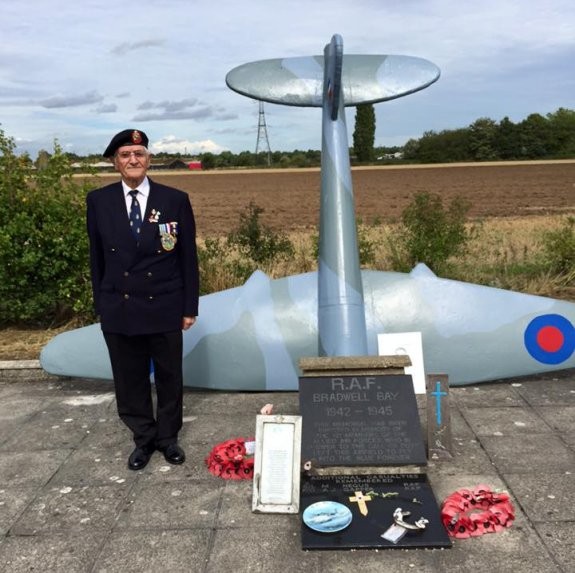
550 339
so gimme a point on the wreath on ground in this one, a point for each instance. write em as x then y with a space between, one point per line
474 512
231 460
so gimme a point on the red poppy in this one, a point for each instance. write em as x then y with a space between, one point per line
229 460
470 513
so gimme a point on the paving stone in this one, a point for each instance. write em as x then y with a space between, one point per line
61 510
184 551
206 429
65 507
60 552
557 392
485 396
257 549
92 466
560 542
236 510
509 551
58 428
176 505
560 418
13 500
224 403
545 496
529 453
468 457
28 469
380 560
504 421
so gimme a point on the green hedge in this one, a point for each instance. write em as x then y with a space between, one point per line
44 271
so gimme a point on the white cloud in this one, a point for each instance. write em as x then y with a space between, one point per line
168 61
173 144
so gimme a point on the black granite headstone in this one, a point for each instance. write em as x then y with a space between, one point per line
382 495
360 421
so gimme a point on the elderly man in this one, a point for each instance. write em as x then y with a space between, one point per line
146 288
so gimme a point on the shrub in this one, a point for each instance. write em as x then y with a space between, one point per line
44 272
256 241
559 248
430 233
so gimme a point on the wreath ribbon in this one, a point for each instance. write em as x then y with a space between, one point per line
230 460
473 512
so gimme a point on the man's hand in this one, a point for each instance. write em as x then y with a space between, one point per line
188 321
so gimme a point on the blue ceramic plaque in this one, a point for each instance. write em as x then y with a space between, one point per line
327 516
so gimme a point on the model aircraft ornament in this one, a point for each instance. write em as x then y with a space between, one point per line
252 337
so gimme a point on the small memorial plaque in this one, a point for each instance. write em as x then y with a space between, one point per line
277 464
362 512
360 421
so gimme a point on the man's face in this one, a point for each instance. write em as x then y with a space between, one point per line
132 161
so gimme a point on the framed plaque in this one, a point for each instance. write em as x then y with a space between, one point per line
277 464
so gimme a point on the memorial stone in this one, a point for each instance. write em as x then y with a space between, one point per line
360 420
356 422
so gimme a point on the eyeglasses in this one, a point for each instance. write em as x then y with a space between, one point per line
127 154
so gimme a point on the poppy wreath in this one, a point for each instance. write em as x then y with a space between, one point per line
230 460
473 512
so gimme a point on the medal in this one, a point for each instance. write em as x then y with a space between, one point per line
168 232
168 241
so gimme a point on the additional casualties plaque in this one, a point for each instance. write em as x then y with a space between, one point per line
360 421
360 511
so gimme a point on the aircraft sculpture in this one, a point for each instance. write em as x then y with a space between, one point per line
251 337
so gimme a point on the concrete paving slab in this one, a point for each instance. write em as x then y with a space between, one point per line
13 500
504 421
560 418
261 550
27 469
250 403
58 428
65 511
94 466
545 496
469 457
172 505
485 396
560 542
521 454
569 439
69 552
108 431
183 551
58 508
236 510
160 471
377 561
206 428
550 392
509 551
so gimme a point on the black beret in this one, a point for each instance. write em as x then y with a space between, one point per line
126 137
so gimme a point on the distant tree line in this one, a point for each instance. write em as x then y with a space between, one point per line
537 137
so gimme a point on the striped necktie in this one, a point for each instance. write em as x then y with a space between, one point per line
135 215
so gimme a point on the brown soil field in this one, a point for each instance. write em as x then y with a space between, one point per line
290 198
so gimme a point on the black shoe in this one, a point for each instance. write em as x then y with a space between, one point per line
139 458
174 454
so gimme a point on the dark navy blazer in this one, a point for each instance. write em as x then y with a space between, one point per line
141 287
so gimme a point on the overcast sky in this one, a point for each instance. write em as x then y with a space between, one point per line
81 71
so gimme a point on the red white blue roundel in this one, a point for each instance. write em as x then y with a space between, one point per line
550 339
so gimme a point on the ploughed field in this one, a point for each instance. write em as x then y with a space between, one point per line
290 198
